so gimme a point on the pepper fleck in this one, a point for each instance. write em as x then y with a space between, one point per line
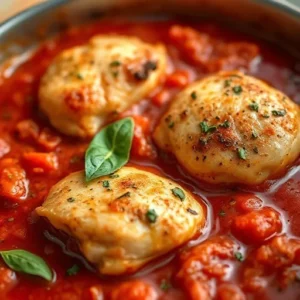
127 194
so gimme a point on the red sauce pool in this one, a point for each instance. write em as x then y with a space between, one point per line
20 227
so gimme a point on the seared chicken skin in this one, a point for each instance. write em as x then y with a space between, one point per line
124 220
88 85
231 128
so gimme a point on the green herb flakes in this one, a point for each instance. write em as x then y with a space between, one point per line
241 153
238 256
279 113
205 128
237 89
105 184
165 285
114 176
79 76
151 215
73 270
227 83
171 124
71 199
115 63
253 106
254 134
178 192
194 95
226 124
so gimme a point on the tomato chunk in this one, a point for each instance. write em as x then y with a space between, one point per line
178 79
256 226
212 54
13 181
271 260
41 162
161 98
141 145
198 267
48 140
247 203
8 280
28 130
134 290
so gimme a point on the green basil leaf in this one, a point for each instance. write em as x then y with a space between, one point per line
109 149
26 262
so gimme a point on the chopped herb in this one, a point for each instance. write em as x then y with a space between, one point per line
113 176
151 215
71 199
239 256
115 63
255 150
227 83
127 194
254 134
266 116
79 76
115 74
205 128
222 213
177 192
237 89
73 270
279 113
226 124
171 124
253 106
191 211
165 285
241 153
105 184
217 118
194 95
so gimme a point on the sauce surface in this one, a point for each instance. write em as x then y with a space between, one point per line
250 246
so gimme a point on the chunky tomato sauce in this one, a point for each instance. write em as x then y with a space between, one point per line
250 246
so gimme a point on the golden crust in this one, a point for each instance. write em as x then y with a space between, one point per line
88 85
110 221
231 128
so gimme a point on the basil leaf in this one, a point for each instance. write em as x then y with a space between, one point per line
26 262
109 149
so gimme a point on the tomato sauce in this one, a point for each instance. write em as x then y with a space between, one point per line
250 246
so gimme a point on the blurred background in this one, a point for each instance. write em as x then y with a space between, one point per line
10 7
